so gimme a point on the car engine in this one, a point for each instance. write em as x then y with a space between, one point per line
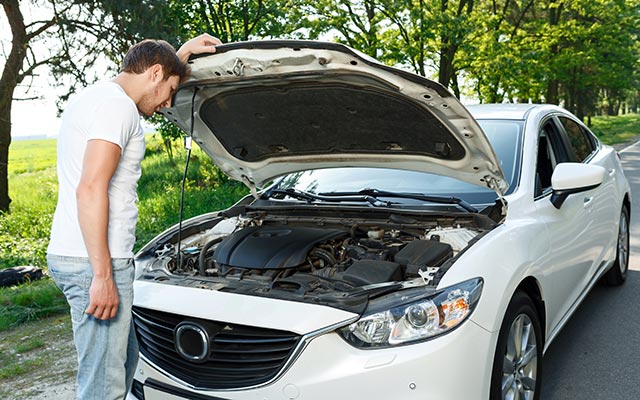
312 255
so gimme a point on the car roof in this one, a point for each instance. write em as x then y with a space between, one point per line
503 111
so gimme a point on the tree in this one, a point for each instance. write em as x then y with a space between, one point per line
354 23
425 35
581 54
502 58
68 36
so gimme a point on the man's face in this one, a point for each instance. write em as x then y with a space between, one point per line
159 93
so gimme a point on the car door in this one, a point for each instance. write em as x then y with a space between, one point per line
604 205
572 246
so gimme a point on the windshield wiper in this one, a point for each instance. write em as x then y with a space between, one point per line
310 197
375 193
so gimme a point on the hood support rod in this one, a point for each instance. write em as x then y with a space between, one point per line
188 140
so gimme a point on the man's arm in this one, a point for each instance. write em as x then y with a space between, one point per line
100 162
204 43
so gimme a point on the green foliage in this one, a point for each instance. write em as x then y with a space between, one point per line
357 22
232 20
8 371
582 54
578 53
29 302
206 189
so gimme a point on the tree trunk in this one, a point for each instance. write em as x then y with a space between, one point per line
552 92
445 70
553 84
610 107
579 112
455 86
8 82
5 141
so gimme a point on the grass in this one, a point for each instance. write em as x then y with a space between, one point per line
28 345
618 129
32 155
30 301
24 231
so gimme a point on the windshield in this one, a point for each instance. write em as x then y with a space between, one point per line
504 136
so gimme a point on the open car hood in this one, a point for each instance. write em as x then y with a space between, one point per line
267 108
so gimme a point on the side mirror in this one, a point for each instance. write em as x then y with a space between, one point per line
570 178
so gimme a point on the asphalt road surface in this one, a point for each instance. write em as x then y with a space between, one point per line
597 354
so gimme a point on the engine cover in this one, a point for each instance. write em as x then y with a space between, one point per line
260 247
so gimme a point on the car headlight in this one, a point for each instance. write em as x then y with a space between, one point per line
418 320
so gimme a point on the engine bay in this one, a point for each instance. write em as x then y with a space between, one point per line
277 254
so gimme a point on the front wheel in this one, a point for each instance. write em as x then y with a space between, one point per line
618 272
517 364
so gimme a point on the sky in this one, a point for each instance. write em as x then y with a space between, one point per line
31 117
34 118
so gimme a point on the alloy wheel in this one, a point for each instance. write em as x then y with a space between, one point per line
520 361
623 244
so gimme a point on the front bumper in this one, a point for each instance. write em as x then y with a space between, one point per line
454 366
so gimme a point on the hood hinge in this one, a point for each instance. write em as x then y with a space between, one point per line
493 184
252 186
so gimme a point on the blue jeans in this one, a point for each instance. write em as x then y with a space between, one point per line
107 350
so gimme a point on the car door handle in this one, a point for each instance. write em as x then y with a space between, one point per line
612 172
587 201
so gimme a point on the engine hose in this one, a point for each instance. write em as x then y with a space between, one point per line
325 256
202 258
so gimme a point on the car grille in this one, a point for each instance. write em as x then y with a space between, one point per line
241 356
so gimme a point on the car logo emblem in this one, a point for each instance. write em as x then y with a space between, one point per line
192 342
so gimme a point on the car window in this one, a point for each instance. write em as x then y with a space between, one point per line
581 145
551 152
504 136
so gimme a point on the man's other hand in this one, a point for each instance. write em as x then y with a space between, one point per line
204 43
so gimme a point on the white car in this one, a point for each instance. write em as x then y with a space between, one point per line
396 245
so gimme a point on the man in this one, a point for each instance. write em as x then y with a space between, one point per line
100 149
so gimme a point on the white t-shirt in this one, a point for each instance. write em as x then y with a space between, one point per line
101 111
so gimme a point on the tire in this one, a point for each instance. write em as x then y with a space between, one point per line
517 371
618 272
17 275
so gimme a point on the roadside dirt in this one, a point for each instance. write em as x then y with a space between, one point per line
46 371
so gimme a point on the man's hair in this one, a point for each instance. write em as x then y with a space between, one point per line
149 52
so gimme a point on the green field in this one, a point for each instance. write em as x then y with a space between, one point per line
612 130
24 232
27 156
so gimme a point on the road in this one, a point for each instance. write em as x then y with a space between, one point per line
597 354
